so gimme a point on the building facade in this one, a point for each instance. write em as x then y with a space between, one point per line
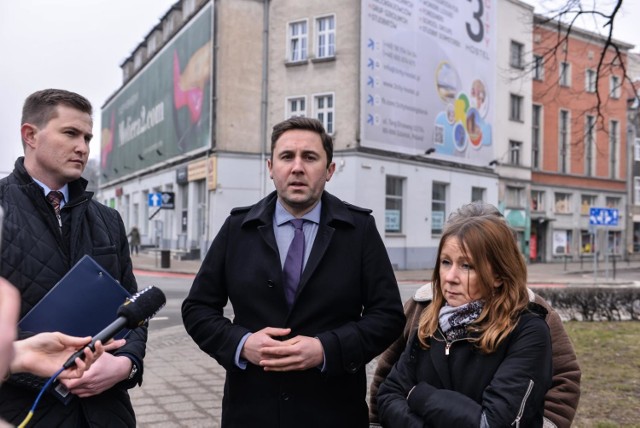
579 152
430 108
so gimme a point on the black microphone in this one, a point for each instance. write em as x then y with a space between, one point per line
135 311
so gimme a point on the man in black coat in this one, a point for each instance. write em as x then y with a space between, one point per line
295 355
40 243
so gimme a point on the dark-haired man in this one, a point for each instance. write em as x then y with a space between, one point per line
297 348
50 223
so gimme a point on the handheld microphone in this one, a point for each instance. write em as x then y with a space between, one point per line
135 311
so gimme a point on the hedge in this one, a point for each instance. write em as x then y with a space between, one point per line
594 303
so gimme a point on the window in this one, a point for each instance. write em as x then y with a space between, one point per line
563 143
561 242
438 207
188 6
517 55
296 107
586 203
589 145
325 111
636 150
514 152
477 194
614 87
515 112
297 41
137 60
326 37
590 80
613 148
587 245
536 132
537 200
167 28
614 242
612 202
565 74
538 67
514 197
152 44
562 203
393 205
636 190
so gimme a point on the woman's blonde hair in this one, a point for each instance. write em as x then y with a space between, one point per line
489 242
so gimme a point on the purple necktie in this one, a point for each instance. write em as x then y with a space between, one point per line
54 197
292 269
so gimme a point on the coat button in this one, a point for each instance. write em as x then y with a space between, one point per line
284 396
352 367
270 283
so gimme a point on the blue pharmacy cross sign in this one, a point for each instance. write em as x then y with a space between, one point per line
603 216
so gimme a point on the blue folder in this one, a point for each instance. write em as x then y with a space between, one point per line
82 303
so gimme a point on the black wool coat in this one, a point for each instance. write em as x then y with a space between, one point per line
348 298
34 258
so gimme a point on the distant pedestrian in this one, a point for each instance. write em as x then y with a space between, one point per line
135 240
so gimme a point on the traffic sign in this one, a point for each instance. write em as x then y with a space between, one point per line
165 200
603 216
155 199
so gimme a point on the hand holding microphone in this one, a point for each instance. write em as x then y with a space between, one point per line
134 312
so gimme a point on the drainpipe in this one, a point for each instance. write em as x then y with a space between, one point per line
264 99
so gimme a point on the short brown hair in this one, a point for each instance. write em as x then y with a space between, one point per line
40 107
306 124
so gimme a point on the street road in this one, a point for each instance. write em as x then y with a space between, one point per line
176 287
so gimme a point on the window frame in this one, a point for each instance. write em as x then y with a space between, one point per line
516 106
302 38
564 141
589 145
614 87
537 200
330 34
536 135
514 197
328 123
438 203
566 198
592 202
395 200
475 190
614 146
516 55
636 190
289 110
538 67
564 76
590 80
515 152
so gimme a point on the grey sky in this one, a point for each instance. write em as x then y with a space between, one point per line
80 44
71 44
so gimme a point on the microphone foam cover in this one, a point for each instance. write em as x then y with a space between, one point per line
142 306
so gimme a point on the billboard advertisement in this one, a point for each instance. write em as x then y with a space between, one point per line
165 110
428 77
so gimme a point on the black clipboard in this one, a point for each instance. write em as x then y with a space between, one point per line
82 303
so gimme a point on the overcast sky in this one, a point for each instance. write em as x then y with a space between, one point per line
80 44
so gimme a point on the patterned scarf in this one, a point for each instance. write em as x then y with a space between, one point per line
454 320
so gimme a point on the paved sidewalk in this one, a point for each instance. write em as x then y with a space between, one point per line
183 386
